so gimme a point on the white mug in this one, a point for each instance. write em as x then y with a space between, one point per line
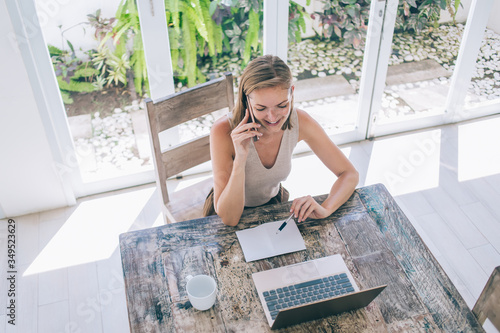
201 290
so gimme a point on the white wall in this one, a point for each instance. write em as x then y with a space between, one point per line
28 180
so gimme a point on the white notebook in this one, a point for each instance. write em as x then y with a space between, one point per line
262 242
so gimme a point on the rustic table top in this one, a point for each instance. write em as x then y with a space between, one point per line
376 240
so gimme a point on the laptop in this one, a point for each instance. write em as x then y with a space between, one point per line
310 290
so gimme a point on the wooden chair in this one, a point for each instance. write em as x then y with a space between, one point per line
488 303
171 111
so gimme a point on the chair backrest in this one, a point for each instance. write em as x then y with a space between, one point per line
488 303
179 108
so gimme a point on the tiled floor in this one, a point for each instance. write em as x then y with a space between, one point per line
446 179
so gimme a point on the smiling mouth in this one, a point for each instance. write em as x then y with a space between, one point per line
274 123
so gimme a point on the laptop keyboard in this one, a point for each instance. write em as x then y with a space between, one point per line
307 292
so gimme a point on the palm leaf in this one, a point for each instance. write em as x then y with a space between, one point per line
173 7
194 19
252 37
218 37
189 43
210 26
138 63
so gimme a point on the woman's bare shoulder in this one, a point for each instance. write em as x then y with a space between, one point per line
220 133
307 125
221 126
305 120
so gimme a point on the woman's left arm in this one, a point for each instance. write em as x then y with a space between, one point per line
333 158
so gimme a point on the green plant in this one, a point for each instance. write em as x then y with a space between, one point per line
117 71
417 15
452 6
198 29
347 19
192 33
64 62
297 22
73 75
344 19
99 83
241 22
99 59
127 27
102 26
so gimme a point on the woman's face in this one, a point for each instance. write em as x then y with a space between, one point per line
271 107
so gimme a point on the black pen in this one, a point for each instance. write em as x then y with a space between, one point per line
284 223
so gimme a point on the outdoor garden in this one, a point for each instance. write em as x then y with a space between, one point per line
207 38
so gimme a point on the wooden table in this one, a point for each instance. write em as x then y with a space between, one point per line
376 240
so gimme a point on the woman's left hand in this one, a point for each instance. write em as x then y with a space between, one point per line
305 207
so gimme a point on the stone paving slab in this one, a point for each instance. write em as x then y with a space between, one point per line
420 99
322 87
430 97
415 71
80 126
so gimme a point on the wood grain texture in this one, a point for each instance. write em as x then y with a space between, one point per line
488 303
194 102
377 242
186 156
435 290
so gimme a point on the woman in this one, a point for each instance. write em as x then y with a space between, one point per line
250 158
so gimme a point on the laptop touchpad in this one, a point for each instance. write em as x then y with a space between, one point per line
301 272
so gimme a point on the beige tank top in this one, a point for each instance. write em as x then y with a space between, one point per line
261 183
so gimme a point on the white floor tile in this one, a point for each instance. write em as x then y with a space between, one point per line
460 260
27 300
54 317
114 311
486 222
450 212
487 257
84 308
53 286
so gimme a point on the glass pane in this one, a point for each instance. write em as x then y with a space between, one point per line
236 38
423 57
484 90
326 61
96 63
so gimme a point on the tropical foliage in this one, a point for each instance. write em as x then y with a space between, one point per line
417 15
347 20
201 31
73 75
344 19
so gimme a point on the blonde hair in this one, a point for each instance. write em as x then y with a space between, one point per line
263 72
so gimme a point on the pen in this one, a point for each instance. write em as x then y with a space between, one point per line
284 223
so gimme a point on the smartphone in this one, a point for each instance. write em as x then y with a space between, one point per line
251 118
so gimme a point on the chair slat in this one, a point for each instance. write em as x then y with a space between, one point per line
190 104
187 155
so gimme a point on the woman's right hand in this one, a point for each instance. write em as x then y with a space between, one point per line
242 134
